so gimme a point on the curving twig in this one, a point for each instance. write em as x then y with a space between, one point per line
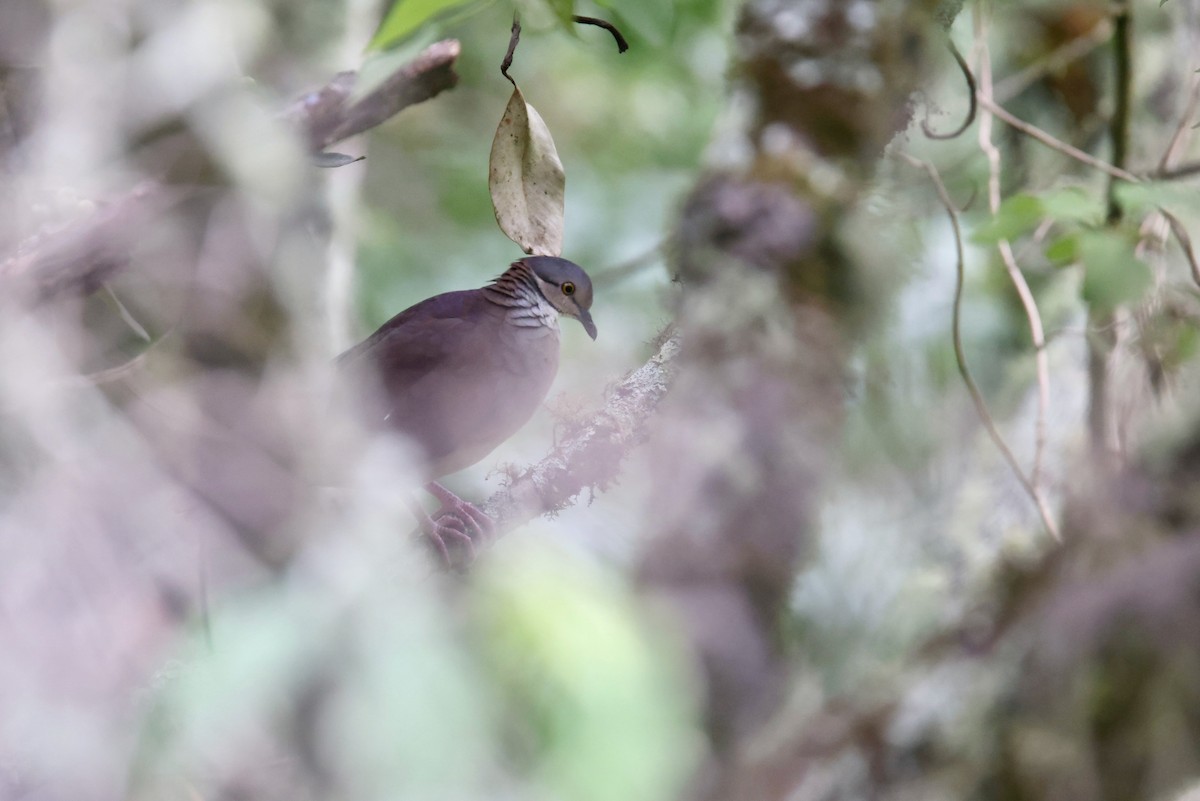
1185 242
989 105
1028 303
1178 141
1180 136
622 45
971 110
514 39
960 356
1188 170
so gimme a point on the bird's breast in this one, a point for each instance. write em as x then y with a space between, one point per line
502 393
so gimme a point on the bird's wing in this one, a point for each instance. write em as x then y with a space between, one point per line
415 340
429 368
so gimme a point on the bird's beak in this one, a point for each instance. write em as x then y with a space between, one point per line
585 317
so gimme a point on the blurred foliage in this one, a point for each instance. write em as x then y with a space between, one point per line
354 673
592 702
378 691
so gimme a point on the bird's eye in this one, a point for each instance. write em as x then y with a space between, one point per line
568 288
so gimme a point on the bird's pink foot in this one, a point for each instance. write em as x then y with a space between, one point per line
447 534
455 508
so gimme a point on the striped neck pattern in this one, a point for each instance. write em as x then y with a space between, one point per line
517 289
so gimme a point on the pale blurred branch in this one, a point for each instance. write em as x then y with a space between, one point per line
332 113
77 257
987 103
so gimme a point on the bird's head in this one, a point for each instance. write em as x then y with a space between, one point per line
565 286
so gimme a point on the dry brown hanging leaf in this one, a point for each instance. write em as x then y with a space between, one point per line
526 180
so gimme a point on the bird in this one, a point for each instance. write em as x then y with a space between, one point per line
461 372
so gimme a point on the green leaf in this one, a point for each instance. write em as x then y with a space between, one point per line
1064 250
405 17
1016 215
564 10
542 14
599 691
1072 204
1149 195
1022 213
1185 346
1113 275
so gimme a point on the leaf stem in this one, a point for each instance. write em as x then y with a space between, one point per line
513 40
